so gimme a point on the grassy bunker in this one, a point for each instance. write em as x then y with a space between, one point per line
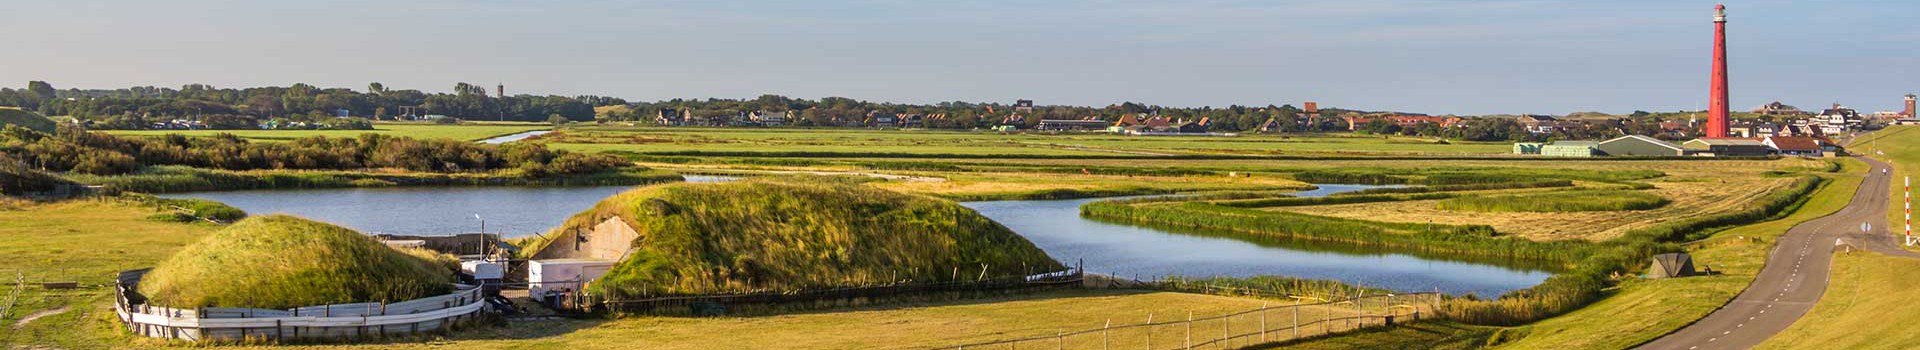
280 261
797 234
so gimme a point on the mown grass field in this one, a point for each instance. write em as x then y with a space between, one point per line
1896 146
853 142
1641 310
467 131
87 242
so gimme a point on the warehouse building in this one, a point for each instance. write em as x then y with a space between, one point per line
1639 146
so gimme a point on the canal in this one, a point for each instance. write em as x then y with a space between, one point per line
1054 225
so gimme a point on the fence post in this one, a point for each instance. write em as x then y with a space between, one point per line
1106 340
1226 323
1189 330
1149 327
1263 321
1296 320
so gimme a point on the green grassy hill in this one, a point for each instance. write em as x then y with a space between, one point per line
783 235
280 261
30 120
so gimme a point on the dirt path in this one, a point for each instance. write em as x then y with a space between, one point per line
37 315
1795 275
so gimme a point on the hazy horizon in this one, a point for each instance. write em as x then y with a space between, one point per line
1441 57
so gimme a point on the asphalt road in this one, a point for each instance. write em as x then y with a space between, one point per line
1795 275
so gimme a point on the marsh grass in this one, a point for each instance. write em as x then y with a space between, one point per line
1557 202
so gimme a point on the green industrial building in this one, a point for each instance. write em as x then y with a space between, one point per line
1581 149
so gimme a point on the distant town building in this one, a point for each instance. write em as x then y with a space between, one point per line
1539 124
1354 122
1088 124
1578 149
1780 109
1794 145
1639 146
1726 147
1909 112
1023 106
670 117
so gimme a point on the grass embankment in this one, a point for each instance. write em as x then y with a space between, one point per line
1557 201
1640 310
1625 255
1868 305
1897 146
836 142
464 132
171 179
84 241
797 234
190 209
1432 335
280 261
25 119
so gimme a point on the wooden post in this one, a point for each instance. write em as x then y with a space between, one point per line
1263 322
1189 330
1106 340
1226 323
1149 327
1296 320
1059 340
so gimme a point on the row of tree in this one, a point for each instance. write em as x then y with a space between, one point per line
75 150
297 101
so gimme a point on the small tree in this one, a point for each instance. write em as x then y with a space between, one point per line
556 119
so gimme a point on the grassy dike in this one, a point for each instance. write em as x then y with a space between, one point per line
1637 310
1869 304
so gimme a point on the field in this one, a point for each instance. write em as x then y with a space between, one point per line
1641 310
1896 146
87 242
468 131
853 143
1245 176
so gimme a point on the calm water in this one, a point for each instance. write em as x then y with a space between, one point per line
515 137
511 211
1053 225
1146 253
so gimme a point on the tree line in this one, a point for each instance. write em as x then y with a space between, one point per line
247 107
74 150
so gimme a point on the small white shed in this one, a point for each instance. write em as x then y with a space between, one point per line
484 270
563 274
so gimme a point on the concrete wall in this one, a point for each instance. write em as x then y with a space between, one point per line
608 240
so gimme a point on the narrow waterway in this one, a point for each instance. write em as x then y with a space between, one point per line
1054 225
514 137
1148 253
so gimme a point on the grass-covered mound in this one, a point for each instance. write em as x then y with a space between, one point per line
799 234
280 261
25 119
1557 202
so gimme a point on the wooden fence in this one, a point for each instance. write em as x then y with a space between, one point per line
713 304
322 322
1262 325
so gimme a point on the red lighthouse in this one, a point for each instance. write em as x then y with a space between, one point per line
1717 98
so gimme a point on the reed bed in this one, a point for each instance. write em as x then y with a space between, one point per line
1478 240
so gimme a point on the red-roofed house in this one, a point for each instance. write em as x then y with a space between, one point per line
1795 146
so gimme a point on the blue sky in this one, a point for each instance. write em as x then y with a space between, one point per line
1464 57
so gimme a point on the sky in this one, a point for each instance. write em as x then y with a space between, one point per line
1440 57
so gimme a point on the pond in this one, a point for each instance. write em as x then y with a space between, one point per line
1148 253
1054 225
